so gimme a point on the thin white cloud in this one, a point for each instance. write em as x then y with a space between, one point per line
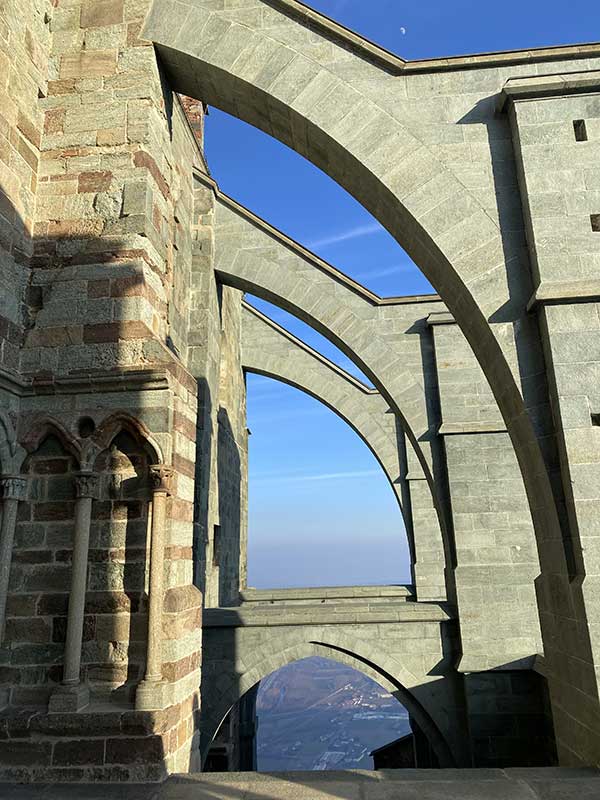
357 232
322 476
384 272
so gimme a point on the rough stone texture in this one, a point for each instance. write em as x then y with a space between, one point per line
408 648
121 272
270 350
221 435
499 784
424 147
397 644
561 187
102 225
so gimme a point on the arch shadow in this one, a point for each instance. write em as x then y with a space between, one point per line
230 690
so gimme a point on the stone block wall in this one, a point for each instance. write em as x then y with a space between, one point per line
556 131
496 556
222 449
96 256
402 646
120 351
509 720
24 54
232 455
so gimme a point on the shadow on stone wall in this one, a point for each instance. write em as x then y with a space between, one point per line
84 386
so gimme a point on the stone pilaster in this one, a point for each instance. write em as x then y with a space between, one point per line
555 123
13 489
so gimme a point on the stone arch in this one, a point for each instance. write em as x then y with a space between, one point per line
362 409
399 685
41 429
254 257
45 522
121 452
336 100
114 424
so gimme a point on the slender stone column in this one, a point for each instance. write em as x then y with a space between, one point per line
13 488
149 693
72 695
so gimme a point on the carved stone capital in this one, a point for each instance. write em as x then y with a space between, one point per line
14 487
86 485
161 478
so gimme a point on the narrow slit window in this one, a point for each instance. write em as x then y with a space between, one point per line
217 546
580 130
595 420
595 220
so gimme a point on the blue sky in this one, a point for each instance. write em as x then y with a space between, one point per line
321 511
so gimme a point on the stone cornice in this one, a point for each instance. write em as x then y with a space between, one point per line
565 293
539 86
396 65
441 318
327 593
374 610
469 428
113 381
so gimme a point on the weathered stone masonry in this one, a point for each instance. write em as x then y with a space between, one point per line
123 346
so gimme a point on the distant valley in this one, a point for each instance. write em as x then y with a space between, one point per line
316 714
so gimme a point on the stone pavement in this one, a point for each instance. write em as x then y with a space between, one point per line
483 784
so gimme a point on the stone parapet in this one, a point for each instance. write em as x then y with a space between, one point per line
326 594
371 610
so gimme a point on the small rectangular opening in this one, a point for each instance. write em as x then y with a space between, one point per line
217 545
595 420
595 220
580 130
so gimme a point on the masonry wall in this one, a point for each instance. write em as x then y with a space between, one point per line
104 357
232 457
496 555
215 359
557 143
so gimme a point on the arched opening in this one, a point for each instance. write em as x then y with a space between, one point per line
119 562
307 335
318 213
315 488
40 575
317 713
369 145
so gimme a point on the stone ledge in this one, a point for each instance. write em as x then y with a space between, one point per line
324 593
564 293
440 784
470 428
548 86
441 318
121 380
311 615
